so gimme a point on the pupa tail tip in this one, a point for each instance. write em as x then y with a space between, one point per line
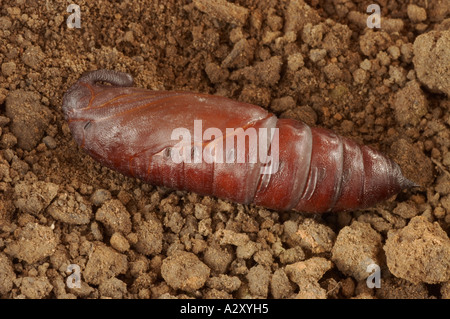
407 183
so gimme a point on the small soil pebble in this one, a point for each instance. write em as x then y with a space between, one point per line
119 242
357 246
280 286
113 288
100 196
410 104
32 243
50 142
419 252
416 13
306 275
7 275
35 288
415 165
315 237
223 10
29 117
432 60
71 209
183 270
224 282
114 216
104 263
258 280
395 288
34 198
217 258
149 236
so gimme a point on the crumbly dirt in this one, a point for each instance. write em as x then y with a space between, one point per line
311 60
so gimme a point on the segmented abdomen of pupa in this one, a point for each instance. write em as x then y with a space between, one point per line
130 130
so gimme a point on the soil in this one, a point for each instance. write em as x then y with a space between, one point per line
61 213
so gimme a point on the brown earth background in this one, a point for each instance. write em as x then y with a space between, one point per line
315 61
